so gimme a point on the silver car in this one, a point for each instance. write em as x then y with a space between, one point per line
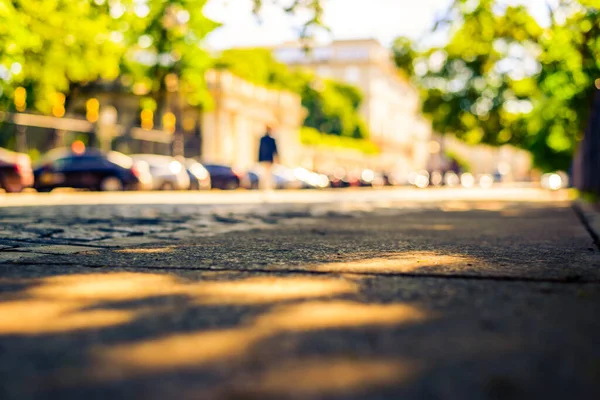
167 173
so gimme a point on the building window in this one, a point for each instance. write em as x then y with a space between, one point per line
353 54
322 54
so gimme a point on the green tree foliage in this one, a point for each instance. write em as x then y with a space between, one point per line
504 79
51 46
258 65
333 107
312 137
47 44
162 38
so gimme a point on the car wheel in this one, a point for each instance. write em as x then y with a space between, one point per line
232 185
11 187
111 184
167 186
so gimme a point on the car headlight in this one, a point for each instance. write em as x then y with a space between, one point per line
175 167
199 172
368 176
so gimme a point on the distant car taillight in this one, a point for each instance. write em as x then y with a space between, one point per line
23 165
135 171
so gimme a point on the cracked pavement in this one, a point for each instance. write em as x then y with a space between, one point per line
447 300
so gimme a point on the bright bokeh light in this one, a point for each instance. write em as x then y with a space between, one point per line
78 147
437 178
314 179
421 181
486 181
452 179
434 147
175 167
467 180
323 181
301 174
554 182
504 168
368 175
199 171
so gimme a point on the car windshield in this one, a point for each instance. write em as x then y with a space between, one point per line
153 160
120 159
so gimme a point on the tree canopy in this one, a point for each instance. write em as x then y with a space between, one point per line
502 78
50 46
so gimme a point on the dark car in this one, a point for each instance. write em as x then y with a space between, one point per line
15 171
90 169
224 177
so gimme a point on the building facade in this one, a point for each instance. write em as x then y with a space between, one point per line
233 127
390 106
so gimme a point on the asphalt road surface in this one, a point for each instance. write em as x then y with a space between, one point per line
356 295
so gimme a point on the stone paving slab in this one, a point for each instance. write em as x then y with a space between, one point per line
232 335
459 300
56 249
504 242
16 256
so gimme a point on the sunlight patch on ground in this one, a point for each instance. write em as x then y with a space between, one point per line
262 290
337 314
328 376
175 351
159 250
201 348
406 262
74 302
30 317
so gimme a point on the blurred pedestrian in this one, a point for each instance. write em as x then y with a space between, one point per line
267 156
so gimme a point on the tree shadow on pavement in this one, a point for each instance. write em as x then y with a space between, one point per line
351 308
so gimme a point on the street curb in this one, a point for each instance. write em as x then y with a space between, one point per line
590 217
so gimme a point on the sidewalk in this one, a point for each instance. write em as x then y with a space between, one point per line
589 215
453 300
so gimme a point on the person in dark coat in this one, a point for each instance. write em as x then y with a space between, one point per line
267 156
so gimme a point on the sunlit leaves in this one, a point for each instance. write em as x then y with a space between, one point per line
503 78
60 43
56 42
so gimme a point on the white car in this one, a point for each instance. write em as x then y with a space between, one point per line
167 173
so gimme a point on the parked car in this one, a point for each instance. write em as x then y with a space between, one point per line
15 171
199 176
282 178
250 180
310 179
224 177
370 178
167 173
90 169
